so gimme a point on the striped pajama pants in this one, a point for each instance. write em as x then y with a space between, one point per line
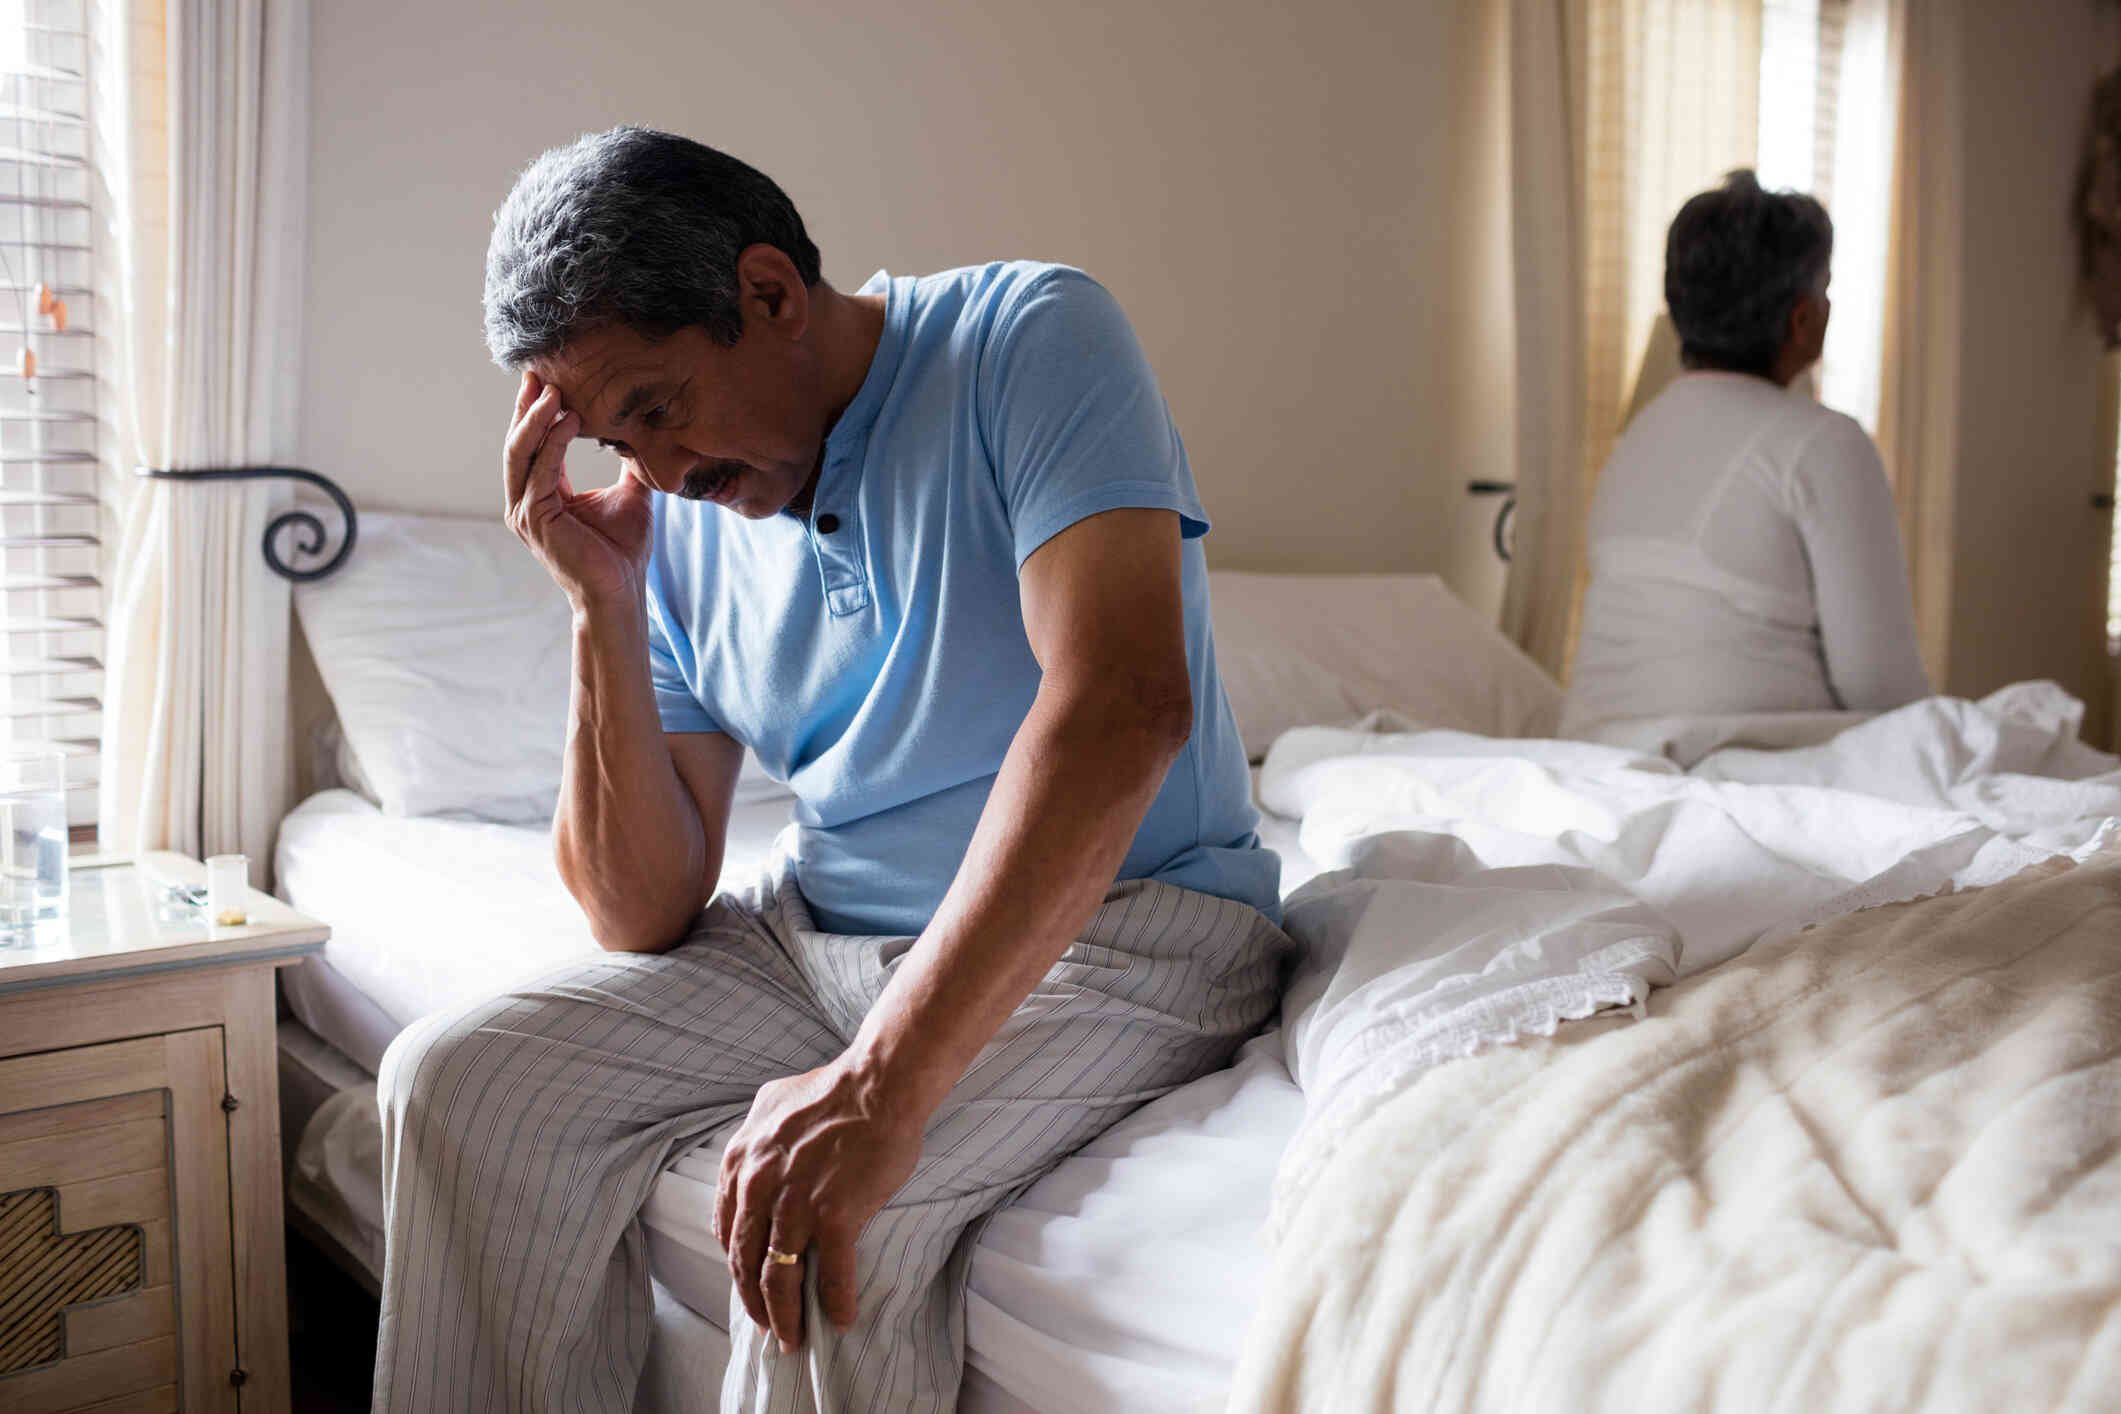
521 1136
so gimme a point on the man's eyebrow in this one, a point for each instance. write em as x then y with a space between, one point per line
640 397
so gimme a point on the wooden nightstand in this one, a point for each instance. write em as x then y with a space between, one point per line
142 1259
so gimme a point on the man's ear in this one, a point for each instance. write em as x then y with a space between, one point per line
771 291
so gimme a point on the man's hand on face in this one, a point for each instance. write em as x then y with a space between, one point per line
595 543
817 1157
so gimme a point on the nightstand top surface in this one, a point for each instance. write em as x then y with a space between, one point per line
120 919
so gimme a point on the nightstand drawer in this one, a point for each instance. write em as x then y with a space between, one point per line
116 1268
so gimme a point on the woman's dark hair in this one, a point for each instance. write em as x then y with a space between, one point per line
630 227
1736 260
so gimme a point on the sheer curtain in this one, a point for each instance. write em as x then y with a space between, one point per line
202 114
1918 402
1546 197
1620 110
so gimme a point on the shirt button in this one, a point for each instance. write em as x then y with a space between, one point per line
827 523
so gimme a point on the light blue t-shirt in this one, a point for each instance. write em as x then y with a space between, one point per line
875 659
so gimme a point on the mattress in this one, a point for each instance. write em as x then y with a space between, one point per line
490 892
1121 1281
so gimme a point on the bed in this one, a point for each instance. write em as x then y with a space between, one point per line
1779 1074
1788 1080
1122 1281
1060 1279
1866 1166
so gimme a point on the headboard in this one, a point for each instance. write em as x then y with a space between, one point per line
311 528
311 721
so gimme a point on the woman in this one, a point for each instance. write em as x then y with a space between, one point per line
1744 554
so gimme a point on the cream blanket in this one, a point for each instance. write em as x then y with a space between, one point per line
1873 1166
1485 890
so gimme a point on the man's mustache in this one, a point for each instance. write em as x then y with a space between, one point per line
702 482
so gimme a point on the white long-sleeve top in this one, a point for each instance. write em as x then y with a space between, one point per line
1744 558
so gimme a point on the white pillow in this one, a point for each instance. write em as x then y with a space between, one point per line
1299 650
446 650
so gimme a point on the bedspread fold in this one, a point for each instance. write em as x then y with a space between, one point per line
1872 1165
1483 890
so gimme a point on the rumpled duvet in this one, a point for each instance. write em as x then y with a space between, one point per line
1487 891
1873 1166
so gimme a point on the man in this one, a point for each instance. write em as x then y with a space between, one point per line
931 551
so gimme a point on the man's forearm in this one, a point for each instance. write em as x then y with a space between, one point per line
1071 794
628 837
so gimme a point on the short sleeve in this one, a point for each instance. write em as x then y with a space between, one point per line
670 665
1075 422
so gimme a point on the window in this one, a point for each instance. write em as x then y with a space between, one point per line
1827 105
51 575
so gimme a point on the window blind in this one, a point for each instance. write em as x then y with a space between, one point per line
1828 104
51 522
1800 87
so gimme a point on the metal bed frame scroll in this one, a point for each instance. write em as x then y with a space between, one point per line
1505 514
312 532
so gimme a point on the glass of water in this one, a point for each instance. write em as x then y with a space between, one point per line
33 841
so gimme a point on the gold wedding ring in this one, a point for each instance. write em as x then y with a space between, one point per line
781 1259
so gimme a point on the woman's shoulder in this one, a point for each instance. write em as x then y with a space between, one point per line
1738 405
1826 439
1787 431
1732 421
1831 469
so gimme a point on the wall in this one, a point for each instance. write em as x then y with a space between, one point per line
1302 216
1269 189
2028 595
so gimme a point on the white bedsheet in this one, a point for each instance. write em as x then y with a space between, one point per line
1489 889
388 885
1875 1166
428 913
1282 835
1122 1281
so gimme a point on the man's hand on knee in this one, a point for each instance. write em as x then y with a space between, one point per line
817 1157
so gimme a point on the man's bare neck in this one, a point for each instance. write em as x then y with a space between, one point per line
849 329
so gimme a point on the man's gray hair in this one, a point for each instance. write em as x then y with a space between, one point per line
1736 261
630 227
